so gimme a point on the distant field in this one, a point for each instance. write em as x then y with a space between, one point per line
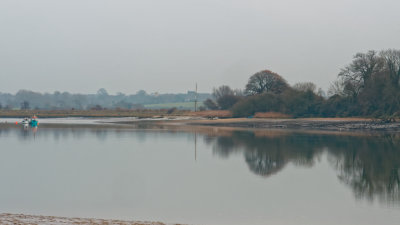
178 105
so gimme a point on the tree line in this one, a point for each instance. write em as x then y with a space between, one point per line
368 86
25 99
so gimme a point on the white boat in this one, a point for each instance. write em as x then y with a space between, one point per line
33 122
25 121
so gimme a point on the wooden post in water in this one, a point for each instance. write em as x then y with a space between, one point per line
195 100
195 146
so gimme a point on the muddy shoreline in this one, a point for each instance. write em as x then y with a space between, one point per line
10 219
326 124
315 124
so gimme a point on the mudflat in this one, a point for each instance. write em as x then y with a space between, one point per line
333 124
7 218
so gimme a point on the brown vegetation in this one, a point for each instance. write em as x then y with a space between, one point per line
329 124
271 115
212 113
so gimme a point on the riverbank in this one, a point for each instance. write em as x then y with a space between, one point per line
11 219
113 113
205 118
328 124
90 113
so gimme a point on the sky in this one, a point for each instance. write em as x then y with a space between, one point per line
167 46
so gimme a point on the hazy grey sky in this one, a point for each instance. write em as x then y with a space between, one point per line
168 45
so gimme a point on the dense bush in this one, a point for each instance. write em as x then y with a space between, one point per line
257 103
292 102
368 86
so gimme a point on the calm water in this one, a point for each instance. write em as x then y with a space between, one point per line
202 176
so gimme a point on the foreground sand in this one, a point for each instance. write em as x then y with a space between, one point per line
7 219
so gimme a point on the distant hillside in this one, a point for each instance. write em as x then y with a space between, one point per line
25 99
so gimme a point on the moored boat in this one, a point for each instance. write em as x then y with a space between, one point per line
33 122
25 121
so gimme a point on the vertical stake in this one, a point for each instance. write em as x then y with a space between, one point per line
195 100
195 146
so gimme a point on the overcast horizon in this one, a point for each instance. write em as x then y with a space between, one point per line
168 46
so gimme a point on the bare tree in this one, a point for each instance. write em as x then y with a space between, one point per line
238 92
336 88
359 71
321 93
222 91
141 93
227 101
102 92
305 86
265 81
225 97
25 105
391 58
210 104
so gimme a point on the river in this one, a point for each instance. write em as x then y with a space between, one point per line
200 175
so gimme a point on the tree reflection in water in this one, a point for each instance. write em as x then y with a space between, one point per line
369 164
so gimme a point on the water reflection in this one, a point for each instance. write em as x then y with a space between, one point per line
60 132
368 164
26 132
